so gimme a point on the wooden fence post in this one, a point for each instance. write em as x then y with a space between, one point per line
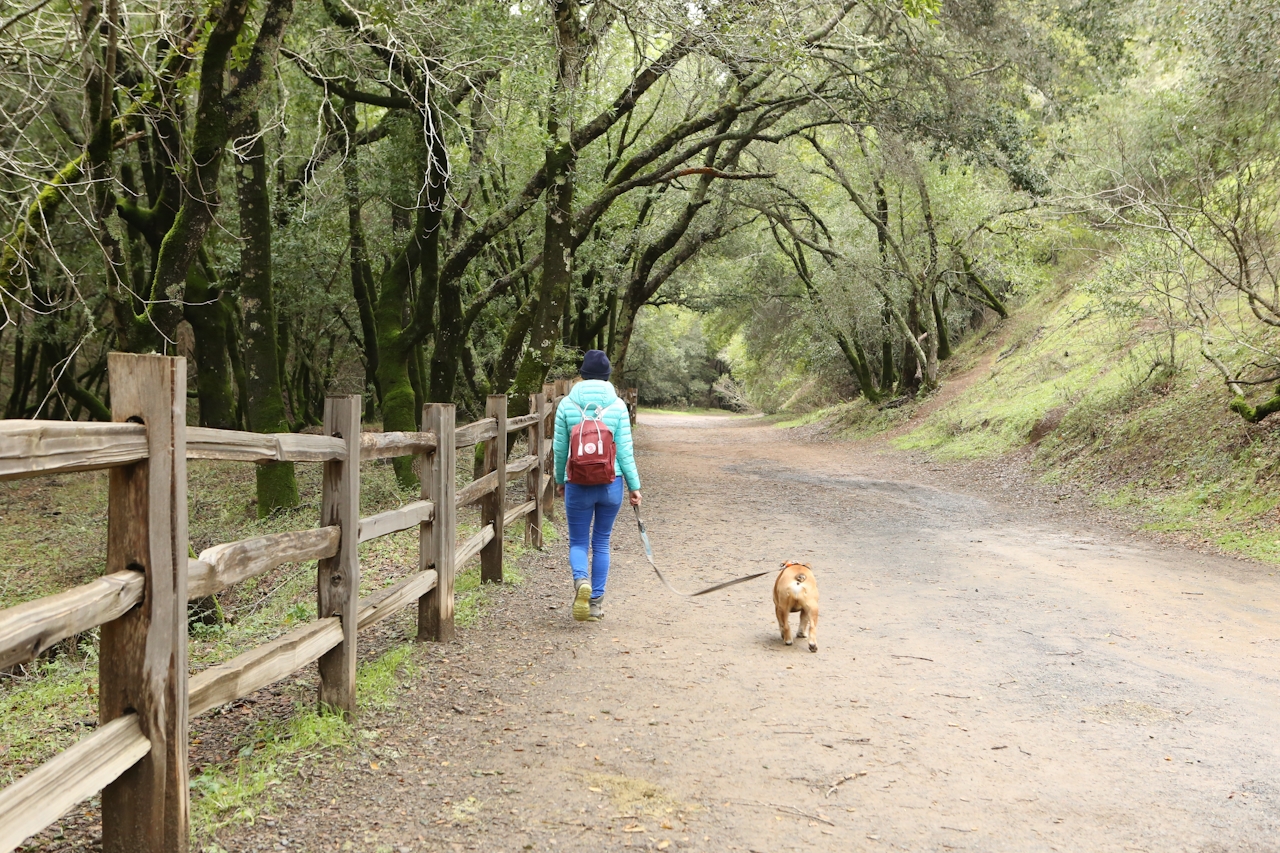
548 493
493 506
558 389
437 540
631 396
533 480
143 654
338 577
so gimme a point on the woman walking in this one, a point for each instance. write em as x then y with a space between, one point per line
591 509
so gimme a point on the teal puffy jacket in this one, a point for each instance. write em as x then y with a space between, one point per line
614 415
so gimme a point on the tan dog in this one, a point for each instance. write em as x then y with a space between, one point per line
796 590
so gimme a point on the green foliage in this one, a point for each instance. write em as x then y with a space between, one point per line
671 361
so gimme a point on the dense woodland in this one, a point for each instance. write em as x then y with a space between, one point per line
740 201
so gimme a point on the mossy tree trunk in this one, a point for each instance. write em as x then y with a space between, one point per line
912 366
277 485
207 314
362 283
398 340
940 323
888 373
939 348
557 229
1255 414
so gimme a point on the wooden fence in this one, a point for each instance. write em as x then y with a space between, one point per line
137 755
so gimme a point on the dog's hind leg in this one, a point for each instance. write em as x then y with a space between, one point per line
809 621
784 623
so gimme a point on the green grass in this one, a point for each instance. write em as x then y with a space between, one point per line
55 534
241 790
47 711
815 416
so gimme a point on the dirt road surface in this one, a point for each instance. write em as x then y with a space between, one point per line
992 675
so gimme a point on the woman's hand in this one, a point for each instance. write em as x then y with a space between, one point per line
559 490
635 499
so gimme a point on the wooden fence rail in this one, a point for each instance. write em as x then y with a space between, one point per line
137 756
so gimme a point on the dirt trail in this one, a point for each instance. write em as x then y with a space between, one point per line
989 677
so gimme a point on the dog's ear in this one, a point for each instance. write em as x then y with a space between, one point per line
786 563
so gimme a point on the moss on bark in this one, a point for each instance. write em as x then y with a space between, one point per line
277 487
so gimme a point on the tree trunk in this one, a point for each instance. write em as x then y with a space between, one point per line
557 240
912 370
205 312
362 284
888 375
517 333
100 81
940 323
219 109
927 280
397 340
24 368
449 336
277 485
988 297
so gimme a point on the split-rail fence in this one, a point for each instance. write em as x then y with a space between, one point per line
137 754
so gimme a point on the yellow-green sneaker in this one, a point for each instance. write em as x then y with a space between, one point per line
582 600
596 610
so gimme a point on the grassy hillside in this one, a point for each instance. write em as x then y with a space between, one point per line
1137 420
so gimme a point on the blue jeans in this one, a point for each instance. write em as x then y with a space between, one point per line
582 506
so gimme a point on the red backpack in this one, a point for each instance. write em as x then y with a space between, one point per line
591 450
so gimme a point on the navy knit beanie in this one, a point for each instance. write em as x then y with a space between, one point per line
595 365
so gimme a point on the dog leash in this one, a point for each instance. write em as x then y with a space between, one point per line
648 552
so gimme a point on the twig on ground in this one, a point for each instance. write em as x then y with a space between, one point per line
795 812
841 781
791 810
